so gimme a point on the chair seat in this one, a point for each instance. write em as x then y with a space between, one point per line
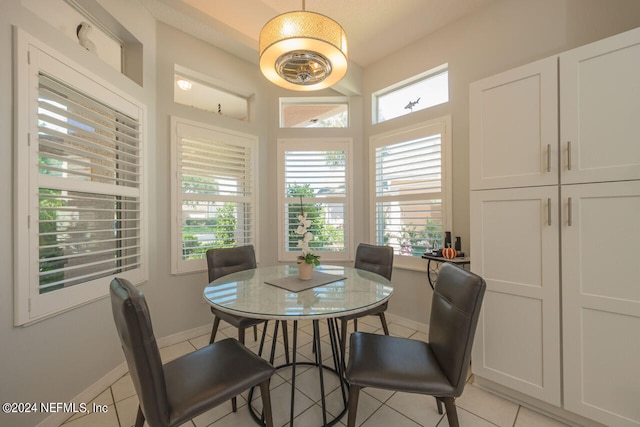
236 321
393 363
209 376
372 312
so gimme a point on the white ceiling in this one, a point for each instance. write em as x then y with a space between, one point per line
374 28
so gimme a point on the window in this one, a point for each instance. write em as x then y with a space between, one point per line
315 175
314 112
214 198
411 189
79 175
418 93
204 93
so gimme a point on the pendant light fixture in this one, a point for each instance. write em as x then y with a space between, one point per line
303 51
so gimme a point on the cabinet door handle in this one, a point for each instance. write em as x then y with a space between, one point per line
569 155
548 157
569 213
549 211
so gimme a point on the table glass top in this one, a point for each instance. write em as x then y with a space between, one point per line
246 293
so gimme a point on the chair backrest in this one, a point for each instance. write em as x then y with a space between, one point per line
223 261
455 310
376 259
133 323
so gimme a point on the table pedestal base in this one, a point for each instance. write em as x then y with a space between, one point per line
337 370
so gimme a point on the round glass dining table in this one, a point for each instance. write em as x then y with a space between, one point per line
275 293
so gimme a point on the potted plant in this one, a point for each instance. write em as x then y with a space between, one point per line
308 259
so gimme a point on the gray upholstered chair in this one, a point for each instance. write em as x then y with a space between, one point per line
183 388
223 261
379 260
439 367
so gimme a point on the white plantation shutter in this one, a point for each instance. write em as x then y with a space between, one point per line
214 192
315 177
86 232
410 189
80 174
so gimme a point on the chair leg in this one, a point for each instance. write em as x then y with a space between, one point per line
383 320
241 335
354 394
139 417
234 400
266 403
439 404
343 343
355 325
255 332
452 413
285 338
214 330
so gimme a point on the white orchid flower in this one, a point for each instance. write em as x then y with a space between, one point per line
308 236
300 230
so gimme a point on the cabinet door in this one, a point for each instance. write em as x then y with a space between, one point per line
601 301
514 127
600 110
515 247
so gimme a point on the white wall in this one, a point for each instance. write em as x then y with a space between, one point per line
506 34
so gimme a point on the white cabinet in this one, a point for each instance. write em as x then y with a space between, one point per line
601 301
514 127
515 247
555 229
600 110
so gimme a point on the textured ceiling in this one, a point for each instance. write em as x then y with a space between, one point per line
374 28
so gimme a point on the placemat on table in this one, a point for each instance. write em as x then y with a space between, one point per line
294 284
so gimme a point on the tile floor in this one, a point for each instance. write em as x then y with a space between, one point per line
377 408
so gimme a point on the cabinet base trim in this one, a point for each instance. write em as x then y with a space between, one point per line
557 413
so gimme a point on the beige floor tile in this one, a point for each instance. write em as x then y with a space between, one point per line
104 398
200 342
379 394
386 417
123 388
281 404
96 419
467 419
420 336
420 408
397 330
367 405
176 350
488 406
127 411
529 418
219 412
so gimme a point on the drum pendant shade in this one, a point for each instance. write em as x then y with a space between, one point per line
303 51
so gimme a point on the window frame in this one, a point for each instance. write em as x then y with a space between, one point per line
312 101
180 127
441 126
427 75
315 144
32 57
